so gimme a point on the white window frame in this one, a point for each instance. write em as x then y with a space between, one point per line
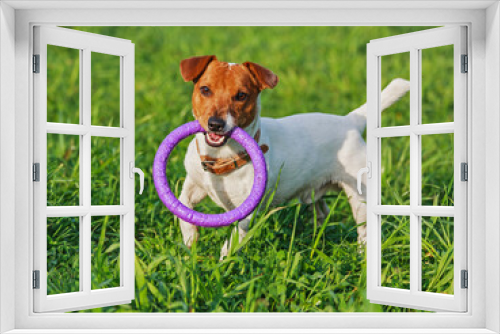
484 146
123 50
413 44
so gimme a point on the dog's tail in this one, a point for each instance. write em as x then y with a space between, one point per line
393 92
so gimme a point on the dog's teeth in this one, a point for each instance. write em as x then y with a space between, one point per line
215 137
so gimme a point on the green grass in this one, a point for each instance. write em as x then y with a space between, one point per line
288 265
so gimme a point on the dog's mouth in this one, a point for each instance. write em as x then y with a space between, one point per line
216 139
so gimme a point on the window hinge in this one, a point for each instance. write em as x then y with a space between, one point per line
464 171
465 279
36 279
465 64
36 172
36 63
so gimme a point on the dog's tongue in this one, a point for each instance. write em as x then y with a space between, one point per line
214 137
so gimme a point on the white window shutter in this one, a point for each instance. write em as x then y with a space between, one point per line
414 297
86 297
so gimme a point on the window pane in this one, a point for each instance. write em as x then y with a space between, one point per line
437 84
63 170
63 85
395 252
105 90
105 171
396 66
437 254
437 170
395 171
63 257
105 252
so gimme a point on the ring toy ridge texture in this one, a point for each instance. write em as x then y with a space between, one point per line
195 217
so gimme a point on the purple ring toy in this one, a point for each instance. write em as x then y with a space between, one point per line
198 218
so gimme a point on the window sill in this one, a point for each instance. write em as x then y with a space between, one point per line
249 331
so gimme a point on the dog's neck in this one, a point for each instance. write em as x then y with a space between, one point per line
231 148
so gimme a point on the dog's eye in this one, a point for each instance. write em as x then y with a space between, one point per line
241 96
205 91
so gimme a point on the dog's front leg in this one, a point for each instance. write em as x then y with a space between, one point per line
242 228
191 195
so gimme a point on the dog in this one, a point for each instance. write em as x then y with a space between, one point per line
310 152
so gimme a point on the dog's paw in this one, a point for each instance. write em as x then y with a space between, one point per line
319 221
361 246
224 251
189 233
362 234
190 239
361 238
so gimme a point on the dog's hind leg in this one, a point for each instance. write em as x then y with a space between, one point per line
358 207
191 195
321 209
319 206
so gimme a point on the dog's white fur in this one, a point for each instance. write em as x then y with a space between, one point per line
315 152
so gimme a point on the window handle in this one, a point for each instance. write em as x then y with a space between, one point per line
368 171
133 170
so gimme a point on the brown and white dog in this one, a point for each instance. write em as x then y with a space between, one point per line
315 152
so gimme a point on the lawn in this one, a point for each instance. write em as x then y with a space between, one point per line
288 265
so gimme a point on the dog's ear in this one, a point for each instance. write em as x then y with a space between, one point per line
266 78
192 68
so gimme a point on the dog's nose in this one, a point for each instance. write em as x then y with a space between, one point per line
216 124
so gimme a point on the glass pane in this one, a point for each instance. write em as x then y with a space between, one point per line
63 257
105 252
437 254
396 66
63 85
437 84
437 170
63 170
105 171
395 267
395 171
105 90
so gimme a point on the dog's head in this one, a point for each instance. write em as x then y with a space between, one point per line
225 94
